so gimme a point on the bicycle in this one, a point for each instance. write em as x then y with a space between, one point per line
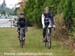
47 38
22 37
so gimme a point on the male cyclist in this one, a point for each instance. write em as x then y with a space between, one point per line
47 22
21 25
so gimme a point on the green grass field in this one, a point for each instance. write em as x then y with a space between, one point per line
9 43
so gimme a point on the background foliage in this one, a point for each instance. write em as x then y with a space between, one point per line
34 9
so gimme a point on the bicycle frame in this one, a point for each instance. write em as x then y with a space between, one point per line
21 34
21 38
48 38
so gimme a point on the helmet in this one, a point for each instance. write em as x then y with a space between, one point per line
21 13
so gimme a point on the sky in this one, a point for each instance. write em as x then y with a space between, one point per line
10 3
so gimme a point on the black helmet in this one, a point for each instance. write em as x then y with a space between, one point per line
21 13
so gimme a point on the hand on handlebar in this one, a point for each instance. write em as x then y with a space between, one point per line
54 27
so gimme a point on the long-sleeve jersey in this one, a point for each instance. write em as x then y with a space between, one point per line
22 23
51 20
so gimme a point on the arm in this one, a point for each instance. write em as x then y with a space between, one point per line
18 27
52 20
43 21
26 25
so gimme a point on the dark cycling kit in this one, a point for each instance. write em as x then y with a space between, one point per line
22 24
48 19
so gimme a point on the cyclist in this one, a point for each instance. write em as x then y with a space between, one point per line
21 24
47 21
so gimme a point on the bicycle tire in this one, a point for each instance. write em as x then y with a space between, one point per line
49 44
22 43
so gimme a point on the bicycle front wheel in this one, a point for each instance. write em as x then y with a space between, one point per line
49 43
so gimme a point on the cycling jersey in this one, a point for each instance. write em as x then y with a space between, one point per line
47 20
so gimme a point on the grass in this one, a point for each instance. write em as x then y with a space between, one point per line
9 43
